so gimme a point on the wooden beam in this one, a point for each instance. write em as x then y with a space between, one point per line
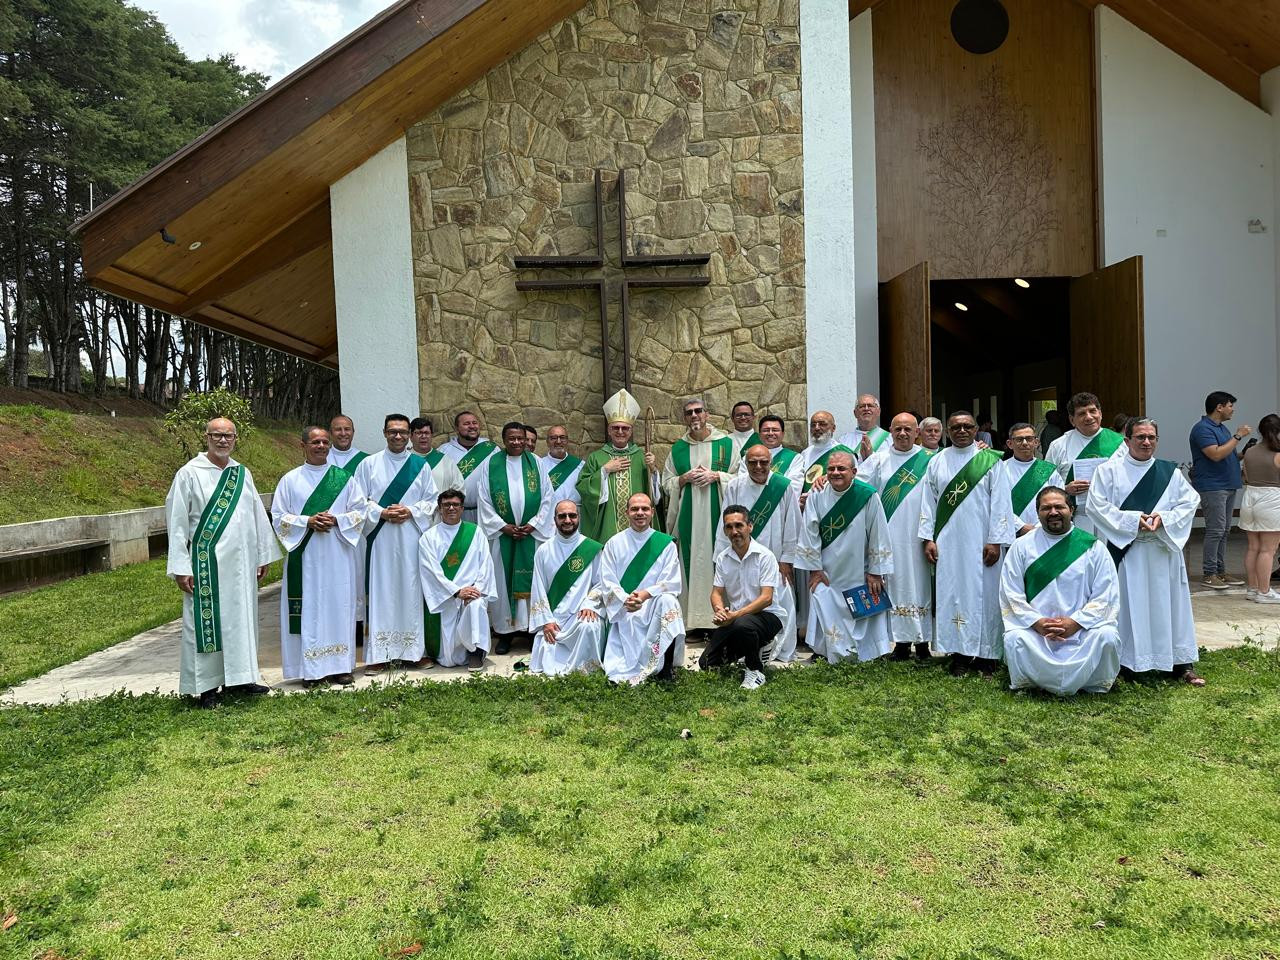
861 6
306 233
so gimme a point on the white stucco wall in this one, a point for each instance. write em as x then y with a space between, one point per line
830 329
866 266
373 286
1271 101
1184 165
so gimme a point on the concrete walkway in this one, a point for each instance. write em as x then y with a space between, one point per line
148 663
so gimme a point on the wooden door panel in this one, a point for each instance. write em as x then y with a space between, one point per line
905 351
1108 355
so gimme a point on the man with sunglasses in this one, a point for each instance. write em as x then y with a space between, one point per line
567 605
220 543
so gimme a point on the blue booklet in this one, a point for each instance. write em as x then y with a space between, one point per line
860 605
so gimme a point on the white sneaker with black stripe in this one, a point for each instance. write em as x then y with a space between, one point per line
752 679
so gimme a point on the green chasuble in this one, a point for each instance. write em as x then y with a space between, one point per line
517 555
600 521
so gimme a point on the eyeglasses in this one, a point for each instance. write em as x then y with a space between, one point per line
221 436
396 433
757 461
692 411
964 427
1022 439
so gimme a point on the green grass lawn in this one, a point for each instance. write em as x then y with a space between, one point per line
882 810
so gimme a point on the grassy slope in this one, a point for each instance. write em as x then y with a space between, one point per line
881 810
59 464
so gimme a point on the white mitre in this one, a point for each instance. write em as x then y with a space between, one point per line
622 407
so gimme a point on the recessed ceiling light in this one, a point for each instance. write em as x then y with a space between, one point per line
194 246
304 304
961 307
1022 283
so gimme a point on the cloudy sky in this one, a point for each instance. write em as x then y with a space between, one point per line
273 36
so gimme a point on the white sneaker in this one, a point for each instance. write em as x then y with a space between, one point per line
1250 593
1269 597
752 679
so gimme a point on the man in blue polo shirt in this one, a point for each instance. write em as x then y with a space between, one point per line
1215 473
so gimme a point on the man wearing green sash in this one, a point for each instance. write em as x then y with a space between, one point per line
701 463
1143 507
220 543
444 471
844 543
567 609
455 570
962 527
774 512
742 414
398 496
561 468
896 470
640 577
783 461
514 501
342 451
469 451
1023 476
868 436
1060 605
1080 451
813 465
317 520
613 473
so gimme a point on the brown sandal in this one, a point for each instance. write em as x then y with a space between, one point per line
1193 678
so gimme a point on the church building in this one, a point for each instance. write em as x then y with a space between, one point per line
516 207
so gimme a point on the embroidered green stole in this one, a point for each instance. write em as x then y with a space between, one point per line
1047 567
356 459
600 521
903 481
474 456
644 559
842 513
451 563
782 462
517 555
572 568
396 489
681 456
560 472
961 485
1029 484
1102 444
321 499
819 466
762 510
1144 496
204 558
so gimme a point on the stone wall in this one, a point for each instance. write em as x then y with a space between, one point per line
699 101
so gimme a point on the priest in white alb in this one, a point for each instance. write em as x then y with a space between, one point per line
514 503
567 610
844 542
468 451
342 450
1020 478
561 467
220 543
774 513
868 436
743 417
444 471
317 516
701 463
1060 605
456 581
782 460
398 497
640 578
963 527
896 470
1144 507
1081 450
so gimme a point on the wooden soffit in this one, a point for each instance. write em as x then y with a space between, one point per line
246 205
1234 41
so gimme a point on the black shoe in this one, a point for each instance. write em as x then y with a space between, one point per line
665 675
960 665
985 665
250 689
923 654
345 679
504 644
209 700
901 651
475 660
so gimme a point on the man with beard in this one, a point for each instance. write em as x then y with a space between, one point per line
567 602
1060 605
468 452
612 474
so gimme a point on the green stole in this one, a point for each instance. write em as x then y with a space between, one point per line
645 558
396 489
762 511
961 485
1029 485
354 462
903 482
1050 565
204 560
782 462
1144 496
321 499
681 456
1102 444
517 555
751 441
474 456
572 568
452 561
561 470
819 466
433 458
842 513
878 436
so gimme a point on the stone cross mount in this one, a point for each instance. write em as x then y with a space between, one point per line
601 283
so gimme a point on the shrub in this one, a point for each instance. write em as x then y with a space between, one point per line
186 421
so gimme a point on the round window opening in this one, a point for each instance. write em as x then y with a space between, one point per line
979 26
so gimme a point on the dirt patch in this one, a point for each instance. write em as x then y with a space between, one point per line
82 403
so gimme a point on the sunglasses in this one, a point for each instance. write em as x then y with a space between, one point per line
690 413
